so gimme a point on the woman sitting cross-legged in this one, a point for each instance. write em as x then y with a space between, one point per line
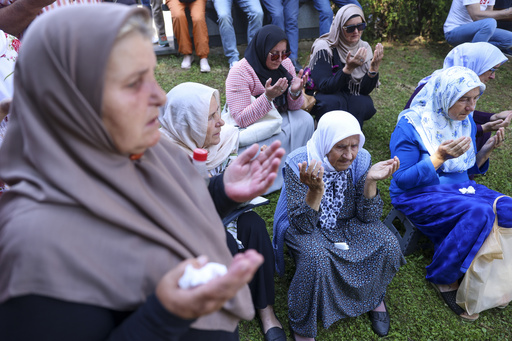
264 82
191 119
435 141
343 68
328 216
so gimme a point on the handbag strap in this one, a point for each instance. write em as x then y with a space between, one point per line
496 202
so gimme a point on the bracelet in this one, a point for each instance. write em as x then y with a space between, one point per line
268 99
372 73
294 94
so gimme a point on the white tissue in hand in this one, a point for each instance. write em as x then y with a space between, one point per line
341 246
469 190
193 277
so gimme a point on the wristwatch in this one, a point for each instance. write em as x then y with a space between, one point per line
372 73
295 94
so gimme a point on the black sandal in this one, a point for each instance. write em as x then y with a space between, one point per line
450 299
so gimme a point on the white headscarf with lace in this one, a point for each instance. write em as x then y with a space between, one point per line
184 120
333 127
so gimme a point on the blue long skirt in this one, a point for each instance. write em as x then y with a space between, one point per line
456 223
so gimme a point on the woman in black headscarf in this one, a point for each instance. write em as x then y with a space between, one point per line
264 87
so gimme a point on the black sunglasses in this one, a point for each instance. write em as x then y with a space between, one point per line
352 28
275 55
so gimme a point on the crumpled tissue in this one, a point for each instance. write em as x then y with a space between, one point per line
192 277
469 190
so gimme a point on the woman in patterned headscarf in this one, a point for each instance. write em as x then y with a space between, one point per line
343 67
484 59
328 216
435 141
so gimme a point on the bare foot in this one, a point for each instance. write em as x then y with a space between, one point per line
380 308
448 287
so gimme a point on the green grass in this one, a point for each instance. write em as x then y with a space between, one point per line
417 313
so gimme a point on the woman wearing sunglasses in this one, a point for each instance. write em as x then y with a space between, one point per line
484 59
265 84
343 68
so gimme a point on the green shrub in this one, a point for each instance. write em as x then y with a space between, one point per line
398 20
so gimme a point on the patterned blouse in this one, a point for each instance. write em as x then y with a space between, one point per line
242 83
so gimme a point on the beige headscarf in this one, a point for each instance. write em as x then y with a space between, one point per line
335 38
82 222
184 120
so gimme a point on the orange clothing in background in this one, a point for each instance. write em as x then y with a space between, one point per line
199 29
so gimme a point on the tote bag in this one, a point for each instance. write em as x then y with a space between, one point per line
487 283
267 126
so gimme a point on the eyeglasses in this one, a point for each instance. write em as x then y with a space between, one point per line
493 70
275 55
352 28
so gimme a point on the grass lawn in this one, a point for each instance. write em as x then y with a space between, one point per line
417 313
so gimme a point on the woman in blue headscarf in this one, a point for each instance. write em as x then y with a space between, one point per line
435 141
484 59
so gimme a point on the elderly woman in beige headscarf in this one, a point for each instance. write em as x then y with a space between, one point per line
343 68
100 209
191 119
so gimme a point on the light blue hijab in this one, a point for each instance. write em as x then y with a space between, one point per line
429 113
479 57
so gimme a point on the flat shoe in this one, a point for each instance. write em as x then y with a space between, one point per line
380 321
275 334
449 298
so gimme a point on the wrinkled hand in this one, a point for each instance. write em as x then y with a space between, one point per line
378 54
276 90
245 178
451 149
495 141
356 61
5 105
497 121
384 169
312 175
207 298
298 81
507 114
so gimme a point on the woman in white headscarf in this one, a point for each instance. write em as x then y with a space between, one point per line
484 59
435 141
343 67
191 119
328 216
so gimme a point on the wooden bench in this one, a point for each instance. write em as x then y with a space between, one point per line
412 239
308 25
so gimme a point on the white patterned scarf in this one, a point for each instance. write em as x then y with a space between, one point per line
333 127
429 113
